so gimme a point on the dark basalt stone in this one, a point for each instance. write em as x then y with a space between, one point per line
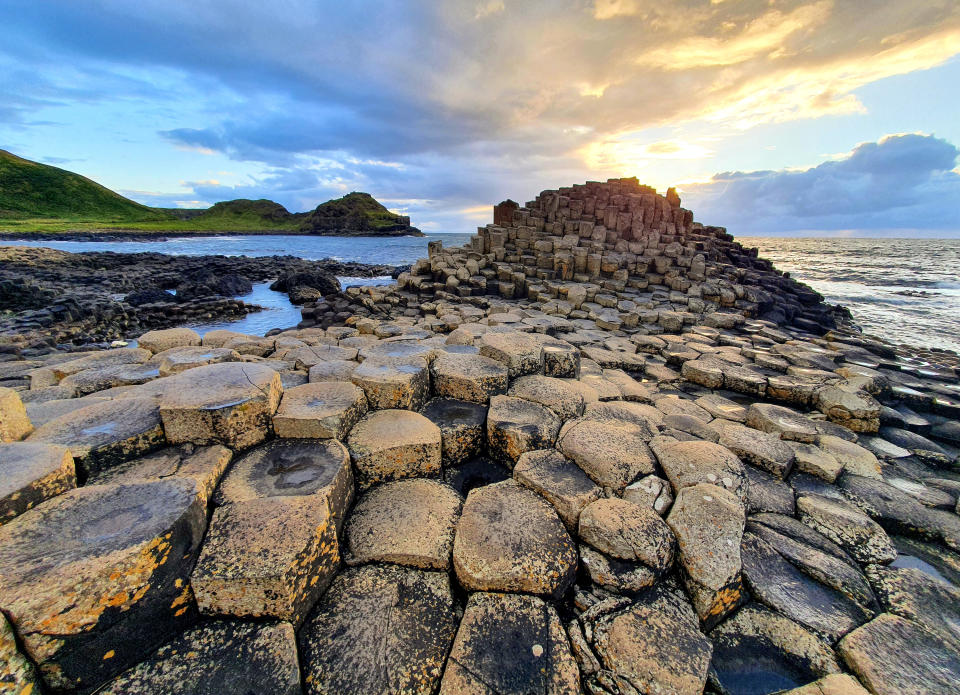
778 584
223 656
475 472
757 652
94 579
378 629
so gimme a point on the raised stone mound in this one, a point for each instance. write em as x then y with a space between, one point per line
14 423
319 410
393 444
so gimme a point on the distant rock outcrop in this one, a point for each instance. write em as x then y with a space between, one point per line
357 214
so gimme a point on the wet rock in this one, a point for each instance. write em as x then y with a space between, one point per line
510 539
839 574
230 404
556 394
462 427
474 473
763 450
316 469
105 434
900 512
786 423
512 645
775 582
268 557
319 410
402 620
854 458
708 523
203 465
923 664
848 527
766 493
158 341
627 531
651 492
800 532
521 353
218 657
406 522
14 423
31 473
515 426
468 377
401 383
93 579
919 445
559 481
612 452
815 461
693 463
759 651
919 597
656 644
393 444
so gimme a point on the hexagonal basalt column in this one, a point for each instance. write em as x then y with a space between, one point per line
407 522
14 423
390 382
462 425
320 410
269 557
94 578
316 469
219 657
521 353
31 473
515 426
393 444
468 377
512 645
510 539
105 434
401 620
230 403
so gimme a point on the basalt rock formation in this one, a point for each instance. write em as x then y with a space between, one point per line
444 491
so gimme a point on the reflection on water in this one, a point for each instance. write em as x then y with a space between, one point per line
278 311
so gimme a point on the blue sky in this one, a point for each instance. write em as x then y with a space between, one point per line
771 117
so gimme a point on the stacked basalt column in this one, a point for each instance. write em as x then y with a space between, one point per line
621 237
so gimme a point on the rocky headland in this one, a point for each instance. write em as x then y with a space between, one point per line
600 449
357 214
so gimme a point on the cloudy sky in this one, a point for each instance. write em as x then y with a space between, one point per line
771 117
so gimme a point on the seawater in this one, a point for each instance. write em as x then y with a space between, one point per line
902 290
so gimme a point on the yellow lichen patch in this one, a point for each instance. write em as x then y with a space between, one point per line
109 655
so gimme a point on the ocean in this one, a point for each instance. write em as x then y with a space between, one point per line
901 290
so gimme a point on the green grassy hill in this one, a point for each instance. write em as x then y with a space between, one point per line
33 190
357 214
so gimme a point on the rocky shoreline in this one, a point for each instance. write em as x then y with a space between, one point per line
50 297
589 452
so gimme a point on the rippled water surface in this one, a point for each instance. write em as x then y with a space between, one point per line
903 290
